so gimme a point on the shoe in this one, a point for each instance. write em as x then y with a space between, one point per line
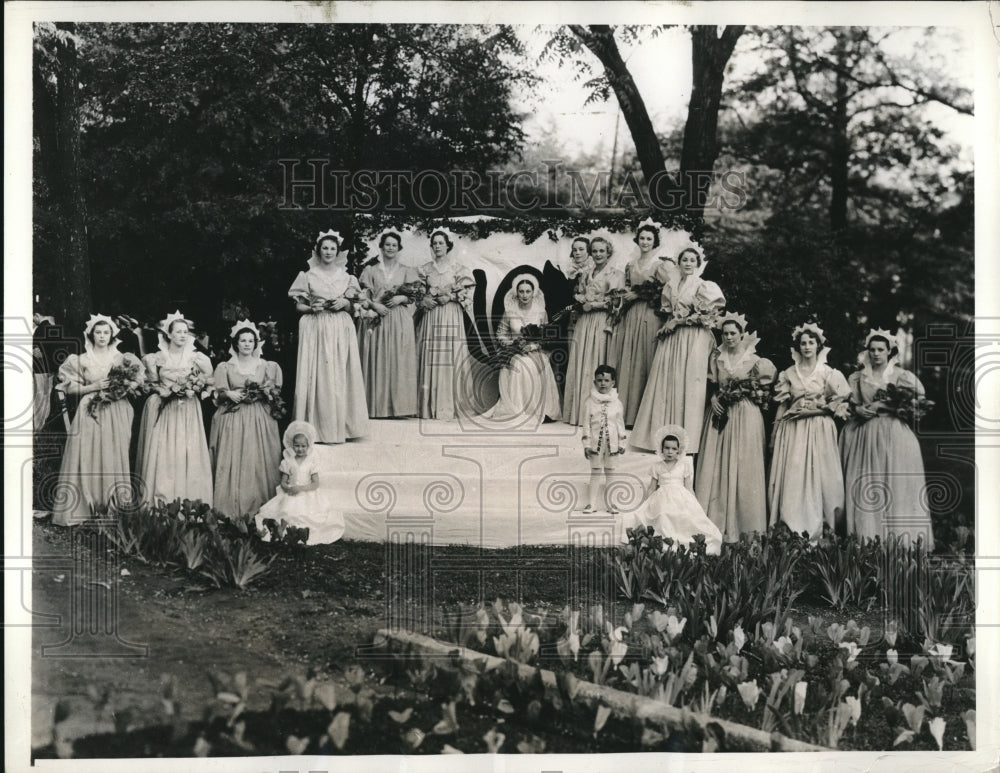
588 509
613 510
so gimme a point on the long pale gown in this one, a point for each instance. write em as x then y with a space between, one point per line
388 348
173 460
329 384
676 386
633 343
95 466
806 486
883 466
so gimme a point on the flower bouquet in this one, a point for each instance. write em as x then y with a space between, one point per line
124 380
740 389
267 393
649 292
900 401
195 384
531 338
708 318
309 299
413 291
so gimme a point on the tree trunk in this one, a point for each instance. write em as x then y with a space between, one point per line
709 55
600 40
840 152
75 259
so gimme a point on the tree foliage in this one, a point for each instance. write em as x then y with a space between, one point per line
184 125
845 122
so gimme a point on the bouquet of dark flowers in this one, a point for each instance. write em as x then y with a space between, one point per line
532 338
740 389
124 380
194 385
253 392
708 318
308 299
413 291
903 402
649 292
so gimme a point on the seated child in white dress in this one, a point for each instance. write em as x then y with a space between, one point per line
299 502
671 507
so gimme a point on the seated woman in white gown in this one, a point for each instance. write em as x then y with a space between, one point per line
671 507
527 385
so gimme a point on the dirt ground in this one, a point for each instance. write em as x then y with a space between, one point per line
186 631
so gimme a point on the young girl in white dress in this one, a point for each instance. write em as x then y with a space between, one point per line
671 507
299 502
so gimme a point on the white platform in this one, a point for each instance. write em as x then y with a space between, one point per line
474 482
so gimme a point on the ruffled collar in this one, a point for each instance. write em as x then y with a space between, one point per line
868 374
820 362
607 398
250 369
747 348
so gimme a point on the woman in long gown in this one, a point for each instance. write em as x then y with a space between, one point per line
675 389
670 506
806 487
244 441
730 484
387 341
444 367
527 385
329 385
589 346
633 343
173 459
883 468
95 468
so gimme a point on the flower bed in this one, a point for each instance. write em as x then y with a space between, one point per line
813 684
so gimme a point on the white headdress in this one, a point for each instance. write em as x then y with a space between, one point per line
732 316
397 232
241 325
748 341
89 327
165 331
510 302
891 363
817 331
298 428
671 430
649 222
314 260
701 254
880 333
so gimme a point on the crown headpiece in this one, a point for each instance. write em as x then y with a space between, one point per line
246 324
880 333
390 232
97 318
170 319
331 234
443 230
732 316
650 223
810 327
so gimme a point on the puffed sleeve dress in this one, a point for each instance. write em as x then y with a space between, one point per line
675 389
589 346
329 383
883 467
806 487
244 444
173 459
95 466
388 349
